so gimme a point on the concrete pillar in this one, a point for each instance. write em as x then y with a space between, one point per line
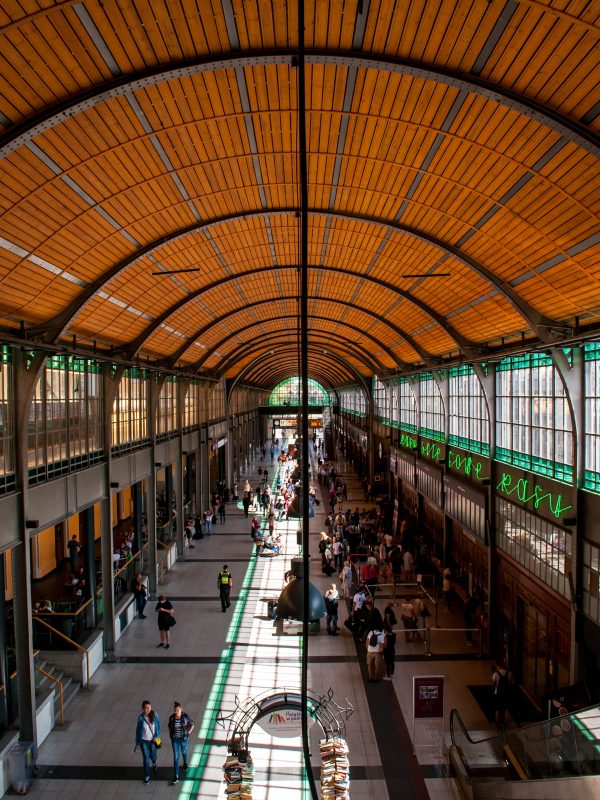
5 695
108 583
25 379
179 516
138 513
169 498
152 546
89 560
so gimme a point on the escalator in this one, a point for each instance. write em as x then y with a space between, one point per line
554 759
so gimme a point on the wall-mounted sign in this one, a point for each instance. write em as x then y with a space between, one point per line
471 466
528 491
284 723
219 443
408 441
428 696
431 450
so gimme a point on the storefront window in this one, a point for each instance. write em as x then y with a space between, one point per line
465 510
468 418
591 581
592 417
7 467
534 428
432 414
429 485
542 548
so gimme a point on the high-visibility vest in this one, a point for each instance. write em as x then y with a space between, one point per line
224 578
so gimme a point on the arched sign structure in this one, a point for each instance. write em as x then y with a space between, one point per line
285 704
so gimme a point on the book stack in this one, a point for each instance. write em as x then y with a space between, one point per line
335 769
239 776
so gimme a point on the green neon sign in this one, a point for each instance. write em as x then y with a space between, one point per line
528 492
408 441
466 464
431 450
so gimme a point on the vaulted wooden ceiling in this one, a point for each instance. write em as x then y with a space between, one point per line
141 139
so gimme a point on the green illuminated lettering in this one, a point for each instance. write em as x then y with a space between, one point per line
408 441
431 450
537 496
465 463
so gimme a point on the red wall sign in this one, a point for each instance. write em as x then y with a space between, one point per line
428 696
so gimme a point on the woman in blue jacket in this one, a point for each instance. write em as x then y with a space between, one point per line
147 737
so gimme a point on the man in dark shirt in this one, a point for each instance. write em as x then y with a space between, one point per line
74 548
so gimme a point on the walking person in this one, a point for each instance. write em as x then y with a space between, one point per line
166 620
147 737
222 511
375 647
225 585
208 517
407 615
180 727
189 532
74 548
331 609
139 594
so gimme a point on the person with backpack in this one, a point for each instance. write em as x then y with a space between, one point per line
375 647
180 727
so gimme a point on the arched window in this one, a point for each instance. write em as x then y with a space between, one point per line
432 414
407 406
289 393
468 417
533 419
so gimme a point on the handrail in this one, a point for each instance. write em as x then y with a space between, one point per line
60 691
75 644
456 717
73 613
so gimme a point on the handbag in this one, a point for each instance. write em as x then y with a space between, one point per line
172 621
157 742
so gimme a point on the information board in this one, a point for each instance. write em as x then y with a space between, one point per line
428 696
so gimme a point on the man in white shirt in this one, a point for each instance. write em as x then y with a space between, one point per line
338 554
375 645
358 600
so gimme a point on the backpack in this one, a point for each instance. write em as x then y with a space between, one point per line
373 640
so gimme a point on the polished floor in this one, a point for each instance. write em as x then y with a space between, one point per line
217 660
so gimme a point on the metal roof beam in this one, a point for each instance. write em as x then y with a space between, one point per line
359 352
47 118
198 364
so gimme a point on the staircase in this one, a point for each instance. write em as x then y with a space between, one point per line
44 684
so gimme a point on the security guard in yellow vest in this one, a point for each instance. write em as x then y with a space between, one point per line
225 584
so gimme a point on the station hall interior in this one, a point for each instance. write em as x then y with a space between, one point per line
349 245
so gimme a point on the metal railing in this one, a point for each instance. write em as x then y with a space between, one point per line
66 638
60 690
564 746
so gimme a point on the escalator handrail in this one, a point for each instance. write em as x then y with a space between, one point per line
455 716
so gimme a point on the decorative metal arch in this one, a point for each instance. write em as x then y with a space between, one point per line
268 301
44 120
542 325
330 716
287 365
267 340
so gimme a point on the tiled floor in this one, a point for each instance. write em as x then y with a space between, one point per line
216 657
